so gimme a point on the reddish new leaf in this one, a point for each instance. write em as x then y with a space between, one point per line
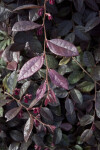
62 47
12 113
29 6
28 128
53 95
30 67
41 90
25 26
12 65
57 79
39 94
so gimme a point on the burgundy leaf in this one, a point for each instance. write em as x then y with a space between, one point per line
53 95
30 67
17 47
12 65
29 6
41 90
39 94
25 26
62 47
12 113
28 128
92 4
66 126
57 79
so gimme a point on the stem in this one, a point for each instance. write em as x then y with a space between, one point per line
45 40
18 101
85 70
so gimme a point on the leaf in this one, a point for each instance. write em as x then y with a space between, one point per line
25 145
66 26
4 13
46 115
69 106
75 76
12 65
76 96
64 61
30 67
28 128
88 59
92 4
57 136
33 15
14 146
86 119
57 79
86 135
59 1
86 86
78 4
78 147
97 124
24 88
62 48
92 23
15 47
28 6
7 55
38 140
52 62
77 18
60 93
12 113
71 117
11 82
16 135
95 73
66 126
25 26
64 69
97 104
1 111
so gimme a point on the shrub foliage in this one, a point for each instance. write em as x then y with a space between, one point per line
50 73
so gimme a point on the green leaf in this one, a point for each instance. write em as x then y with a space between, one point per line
3 44
88 59
52 62
76 96
1 112
75 76
10 82
24 88
87 119
78 147
42 73
64 61
86 86
64 69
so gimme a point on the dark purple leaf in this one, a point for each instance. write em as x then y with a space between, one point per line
62 47
25 26
86 135
86 119
92 23
57 79
57 136
78 4
28 6
24 88
30 67
17 47
39 94
46 115
69 106
7 54
41 90
66 126
28 128
52 94
97 104
92 4
12 113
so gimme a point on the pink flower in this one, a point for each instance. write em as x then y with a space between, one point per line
16 91
50 17
37 147
36 110
25 99
29 96
20 114
40 12
51 2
